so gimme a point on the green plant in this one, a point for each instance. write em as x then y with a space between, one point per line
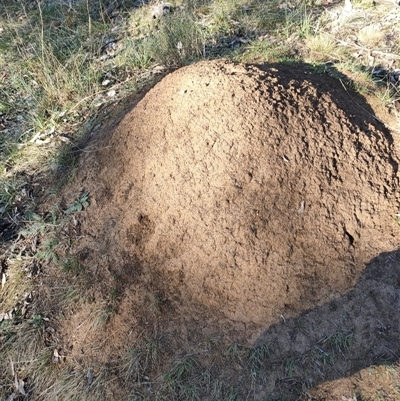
156 302
289 365
70 295
321 356
179 380
6 333
47 250
181 369
36 321
257 356
133 366
231 394
137 54
191 391
141 358
235 351
340 341
79 204
217 388
298 21
211 343
35 225
11 193
153 350
64 164
71 264
265 51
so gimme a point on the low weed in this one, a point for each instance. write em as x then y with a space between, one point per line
138 54
180 381
12 192
82 202
340 341
140 359
322 357
101 315
371 35
71 264
235 351
211 343
290 366
217 388
257 356
48 250
70 295
298 21
36 321
133 366
181 370
231 394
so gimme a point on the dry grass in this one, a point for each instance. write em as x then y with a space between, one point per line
322 47
371 35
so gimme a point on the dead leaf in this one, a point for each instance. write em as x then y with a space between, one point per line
3 279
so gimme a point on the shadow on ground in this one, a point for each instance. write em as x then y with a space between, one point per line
333 341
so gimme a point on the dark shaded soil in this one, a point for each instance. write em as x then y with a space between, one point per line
251 206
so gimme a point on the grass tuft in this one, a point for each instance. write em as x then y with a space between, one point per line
177 41
340 341
322 47
180 380
257 356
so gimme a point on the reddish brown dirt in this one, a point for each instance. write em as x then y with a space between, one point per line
232 202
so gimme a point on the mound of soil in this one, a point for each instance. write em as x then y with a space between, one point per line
238 196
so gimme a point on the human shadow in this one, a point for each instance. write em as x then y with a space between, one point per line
341 337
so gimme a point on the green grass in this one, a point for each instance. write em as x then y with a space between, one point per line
235 351
341 341
139 360
180 380
257 356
